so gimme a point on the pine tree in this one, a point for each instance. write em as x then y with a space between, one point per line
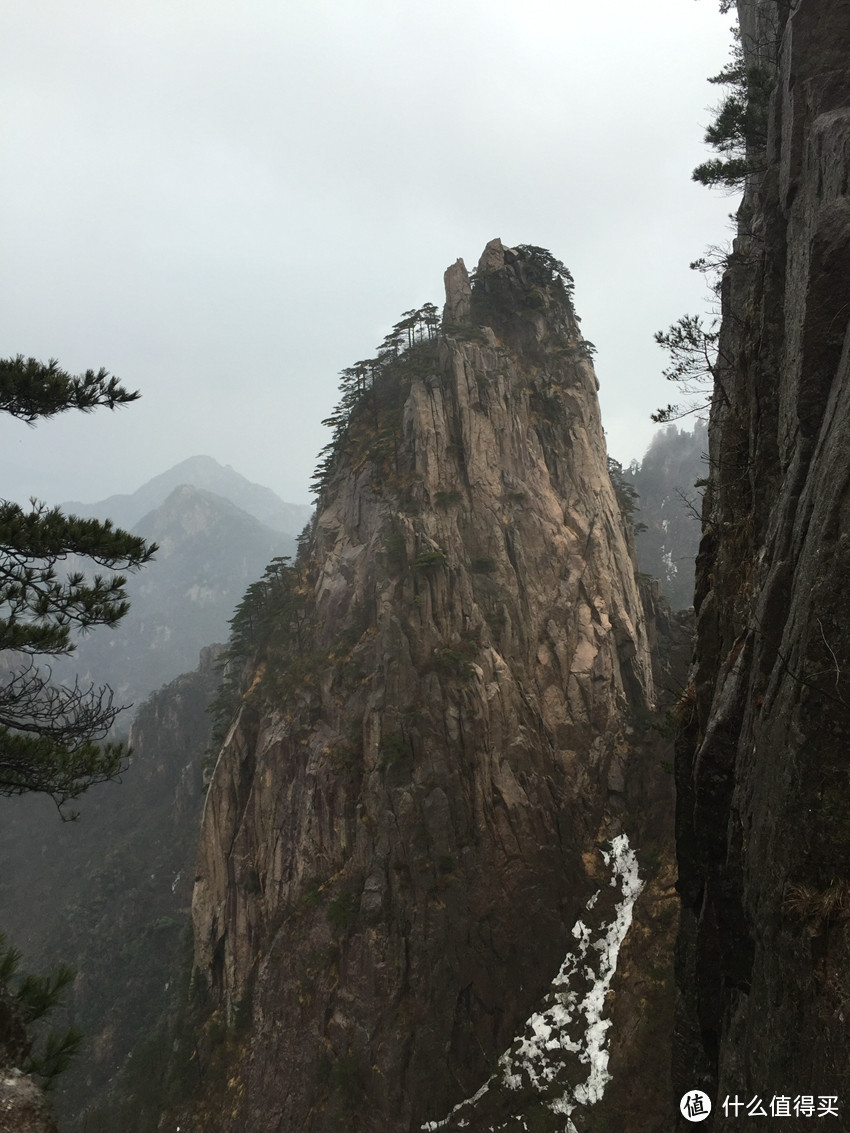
50 736
25 999
739 129
692 346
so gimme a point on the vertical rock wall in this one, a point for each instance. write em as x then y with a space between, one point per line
763 774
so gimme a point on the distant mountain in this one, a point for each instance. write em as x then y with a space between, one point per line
210 550
669 508
126 510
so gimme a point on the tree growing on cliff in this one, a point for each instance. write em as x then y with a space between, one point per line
372 387
739 129
739 134
50 736
692 347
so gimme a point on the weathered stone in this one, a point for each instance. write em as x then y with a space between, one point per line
493 257
23 1106
762 771
391 859
458 293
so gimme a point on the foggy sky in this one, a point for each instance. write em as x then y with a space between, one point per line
225 204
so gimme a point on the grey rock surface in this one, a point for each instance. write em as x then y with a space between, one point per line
762 779
458 294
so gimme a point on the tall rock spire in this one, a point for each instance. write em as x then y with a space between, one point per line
433 736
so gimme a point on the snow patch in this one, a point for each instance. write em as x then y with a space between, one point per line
570 1021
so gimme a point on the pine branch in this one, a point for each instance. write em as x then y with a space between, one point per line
30 390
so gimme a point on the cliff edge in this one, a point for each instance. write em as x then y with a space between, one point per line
762 770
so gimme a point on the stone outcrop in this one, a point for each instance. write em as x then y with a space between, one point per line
458 295
762 769
23 1106
435 742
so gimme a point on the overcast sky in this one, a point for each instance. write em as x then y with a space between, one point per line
226 203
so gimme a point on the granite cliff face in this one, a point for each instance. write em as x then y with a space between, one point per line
434 749
762 770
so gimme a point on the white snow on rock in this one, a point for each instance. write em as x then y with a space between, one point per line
570 1021
669 566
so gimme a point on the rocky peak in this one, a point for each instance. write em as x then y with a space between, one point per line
493 256
432 744
458 292
526 295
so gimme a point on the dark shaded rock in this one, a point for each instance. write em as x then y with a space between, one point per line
762 770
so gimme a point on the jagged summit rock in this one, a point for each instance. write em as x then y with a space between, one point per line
431 741
493 256
458 292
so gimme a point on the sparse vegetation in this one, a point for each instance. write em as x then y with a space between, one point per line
627 497
808 902
739 129
739 134
342 909
512 302
313 894
367 418
429 560
274 618
393 748
452 663
447 499
395 547
692 346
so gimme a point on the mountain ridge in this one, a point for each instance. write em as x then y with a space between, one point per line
126 509
210 550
